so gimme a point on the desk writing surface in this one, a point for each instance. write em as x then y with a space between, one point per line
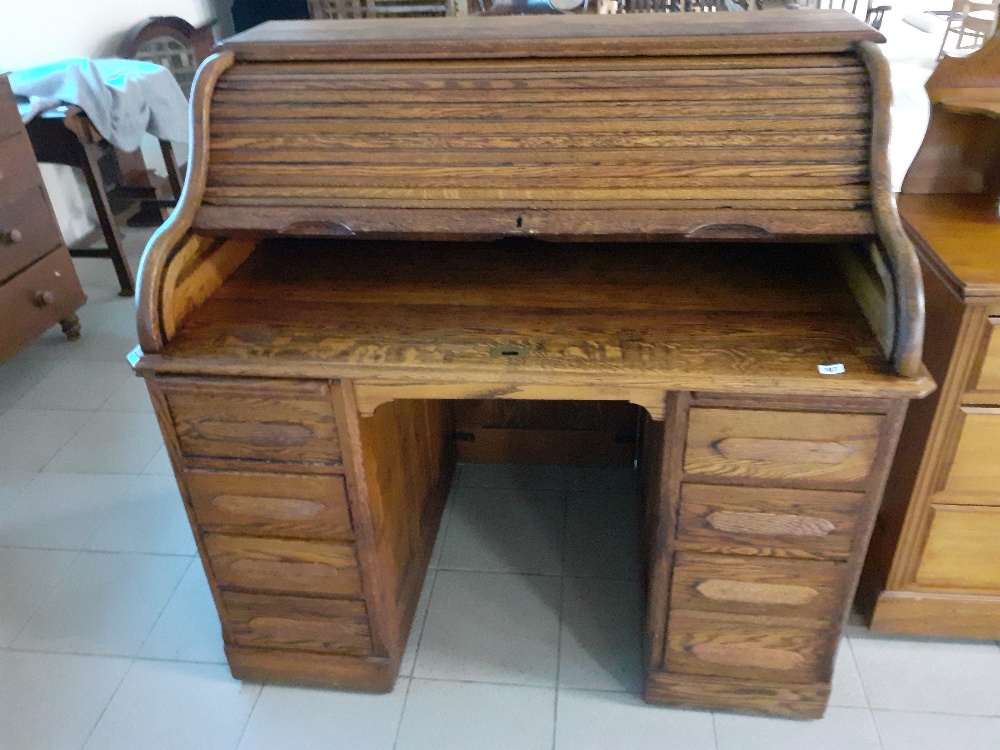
630 314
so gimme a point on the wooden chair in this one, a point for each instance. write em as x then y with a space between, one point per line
387 8
975 19
119 181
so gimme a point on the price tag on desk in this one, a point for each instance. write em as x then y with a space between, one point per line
835 368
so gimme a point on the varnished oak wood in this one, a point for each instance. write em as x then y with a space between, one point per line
690 691
284 566
930 572
508 219
513 36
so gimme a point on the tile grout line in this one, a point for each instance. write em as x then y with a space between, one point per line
423 624
166 604
874 725
402 710
107 705
43 598
562 601
246 724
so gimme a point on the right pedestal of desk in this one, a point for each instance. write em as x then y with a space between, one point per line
934 563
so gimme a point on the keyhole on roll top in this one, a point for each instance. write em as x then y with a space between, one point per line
520 223
510 353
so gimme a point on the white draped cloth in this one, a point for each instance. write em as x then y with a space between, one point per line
123 98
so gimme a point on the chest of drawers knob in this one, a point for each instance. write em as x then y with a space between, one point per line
11 237
43 298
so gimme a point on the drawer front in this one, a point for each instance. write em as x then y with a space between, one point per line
770 522
745 648
976 466
289 422
52 278
781 445
338 626
270 504
284 566
810 590
28 216
989 375
963 548
18 168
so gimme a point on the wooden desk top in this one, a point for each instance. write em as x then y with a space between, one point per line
625 35
960 234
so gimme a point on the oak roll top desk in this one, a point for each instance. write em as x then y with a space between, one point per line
382 217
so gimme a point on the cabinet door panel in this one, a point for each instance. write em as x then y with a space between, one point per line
963 548
976 466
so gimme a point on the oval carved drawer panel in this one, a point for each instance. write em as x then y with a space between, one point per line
785 446
337 626
769 522
290 422
284 565
805 589
746 648
270 504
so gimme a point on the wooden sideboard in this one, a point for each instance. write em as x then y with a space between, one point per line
934 567
385 217
38 284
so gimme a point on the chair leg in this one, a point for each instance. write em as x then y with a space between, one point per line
116 249
167 149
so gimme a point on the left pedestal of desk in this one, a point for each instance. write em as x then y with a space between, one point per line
38 284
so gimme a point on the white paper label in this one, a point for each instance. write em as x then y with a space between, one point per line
835 369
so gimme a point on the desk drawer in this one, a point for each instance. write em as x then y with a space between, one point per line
769 522
288 422
52 281
18 168
270 504
28 230
746 648
749 444
285 566
779 588
338 626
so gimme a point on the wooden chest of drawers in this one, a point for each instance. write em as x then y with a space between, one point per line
359 247
934 567
38 284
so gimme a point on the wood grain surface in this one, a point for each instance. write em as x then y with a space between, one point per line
284 566
767 521
781 446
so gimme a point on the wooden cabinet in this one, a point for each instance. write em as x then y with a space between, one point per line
38 284
385 219
934 567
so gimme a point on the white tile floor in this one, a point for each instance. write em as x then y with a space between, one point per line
108 636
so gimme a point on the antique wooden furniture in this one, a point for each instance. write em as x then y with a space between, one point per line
38 284
383 217
934 567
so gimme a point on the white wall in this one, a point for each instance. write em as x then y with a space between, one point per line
36 32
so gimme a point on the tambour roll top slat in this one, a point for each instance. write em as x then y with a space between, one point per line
515 141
